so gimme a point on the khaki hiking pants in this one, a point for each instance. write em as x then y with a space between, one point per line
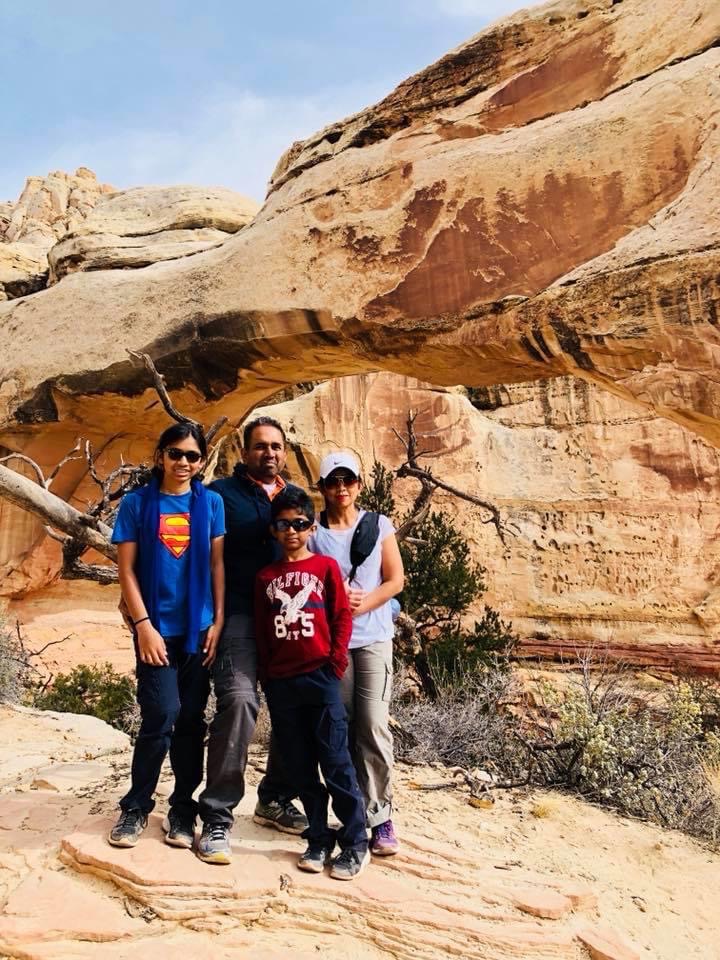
366 690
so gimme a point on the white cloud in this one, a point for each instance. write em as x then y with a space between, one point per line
233 140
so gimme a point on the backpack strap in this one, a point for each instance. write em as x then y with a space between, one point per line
363 541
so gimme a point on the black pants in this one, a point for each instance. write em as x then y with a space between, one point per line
172 703
310 723
232 728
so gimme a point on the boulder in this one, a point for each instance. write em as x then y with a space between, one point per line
135 228
46 208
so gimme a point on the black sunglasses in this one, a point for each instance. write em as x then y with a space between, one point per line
297 523
175 453
346 479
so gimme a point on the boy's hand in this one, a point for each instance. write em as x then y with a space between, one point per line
151 646
212 638
356 599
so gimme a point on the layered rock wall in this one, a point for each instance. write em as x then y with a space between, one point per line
612 516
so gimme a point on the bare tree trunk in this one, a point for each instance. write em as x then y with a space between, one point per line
30 496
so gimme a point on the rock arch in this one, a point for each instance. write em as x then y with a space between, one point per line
541 201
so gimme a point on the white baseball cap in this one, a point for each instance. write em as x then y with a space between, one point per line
343 458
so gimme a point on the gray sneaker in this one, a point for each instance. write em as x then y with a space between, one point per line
179 829
128 828
283 815
349 864
214 844
314 859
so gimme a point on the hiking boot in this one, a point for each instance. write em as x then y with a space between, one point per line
281 814
214 844
128 828
314 858
179 829
384 843
349 864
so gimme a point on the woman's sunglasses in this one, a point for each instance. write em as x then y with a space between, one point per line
298 524
175 453
345 480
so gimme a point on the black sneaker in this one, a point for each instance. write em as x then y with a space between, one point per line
127 830
349 864
314 858
179 829
283 815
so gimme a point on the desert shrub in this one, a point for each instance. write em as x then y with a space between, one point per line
98 690
657 761
489 643
467 724
22 673
12 667
649 761
441 583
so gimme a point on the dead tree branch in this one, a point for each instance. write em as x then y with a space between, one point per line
161 389
54 511
429 484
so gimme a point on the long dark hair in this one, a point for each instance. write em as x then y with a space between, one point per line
179 431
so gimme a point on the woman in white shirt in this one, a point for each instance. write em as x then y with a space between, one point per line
367 683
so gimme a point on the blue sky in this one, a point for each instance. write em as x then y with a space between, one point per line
209 91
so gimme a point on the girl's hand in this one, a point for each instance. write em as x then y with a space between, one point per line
211 643
356 599
151 645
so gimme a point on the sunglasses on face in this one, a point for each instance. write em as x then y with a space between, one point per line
344 480
175 453
298 524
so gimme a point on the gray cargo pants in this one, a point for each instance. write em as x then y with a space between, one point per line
232 728
366 689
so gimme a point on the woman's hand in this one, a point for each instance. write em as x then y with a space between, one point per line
212 638
151 646
356 599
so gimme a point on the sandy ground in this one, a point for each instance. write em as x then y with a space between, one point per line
659 890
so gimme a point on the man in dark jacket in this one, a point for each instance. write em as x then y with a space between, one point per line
249 547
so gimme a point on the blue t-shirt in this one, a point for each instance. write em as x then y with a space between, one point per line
174 532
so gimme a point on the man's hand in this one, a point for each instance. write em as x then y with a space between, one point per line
356 599
151 645
212 638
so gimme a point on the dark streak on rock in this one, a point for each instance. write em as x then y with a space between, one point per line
569 340
40 408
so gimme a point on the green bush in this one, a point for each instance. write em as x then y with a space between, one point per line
98 690
490 642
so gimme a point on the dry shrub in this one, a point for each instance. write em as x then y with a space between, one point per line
655 761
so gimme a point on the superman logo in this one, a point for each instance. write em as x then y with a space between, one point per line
175 532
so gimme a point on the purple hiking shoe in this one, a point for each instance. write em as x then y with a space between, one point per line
384 843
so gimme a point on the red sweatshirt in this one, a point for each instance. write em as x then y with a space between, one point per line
302 618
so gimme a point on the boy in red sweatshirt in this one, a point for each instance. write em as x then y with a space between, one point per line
303 627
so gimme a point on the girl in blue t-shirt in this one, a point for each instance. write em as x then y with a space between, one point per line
170 565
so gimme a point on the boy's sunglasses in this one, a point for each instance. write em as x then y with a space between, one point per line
345 480
297 523
175 453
